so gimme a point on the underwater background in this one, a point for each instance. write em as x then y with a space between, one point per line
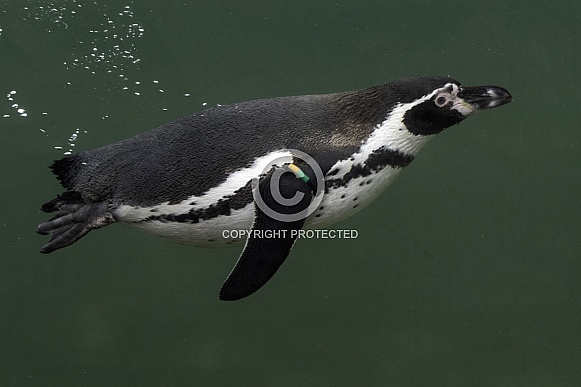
466 271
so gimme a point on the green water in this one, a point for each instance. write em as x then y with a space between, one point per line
465 272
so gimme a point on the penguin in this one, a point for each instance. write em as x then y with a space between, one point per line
269 167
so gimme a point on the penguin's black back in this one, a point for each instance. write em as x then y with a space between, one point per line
191 155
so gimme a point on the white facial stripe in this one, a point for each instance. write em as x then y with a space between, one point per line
391 133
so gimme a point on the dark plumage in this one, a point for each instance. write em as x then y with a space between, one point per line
189 179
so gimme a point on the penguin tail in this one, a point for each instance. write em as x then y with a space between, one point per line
66 169
75 218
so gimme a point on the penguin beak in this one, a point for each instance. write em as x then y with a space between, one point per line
485 97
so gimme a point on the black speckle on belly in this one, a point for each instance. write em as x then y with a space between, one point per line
376 161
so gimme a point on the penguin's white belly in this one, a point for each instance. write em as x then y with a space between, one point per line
337 204
341 202
211 233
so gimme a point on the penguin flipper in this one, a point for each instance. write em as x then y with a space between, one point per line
74 220
270 240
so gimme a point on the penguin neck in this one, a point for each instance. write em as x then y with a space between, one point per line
392 134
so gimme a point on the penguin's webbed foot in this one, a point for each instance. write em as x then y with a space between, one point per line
74 220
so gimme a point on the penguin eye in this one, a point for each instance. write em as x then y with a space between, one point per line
441 101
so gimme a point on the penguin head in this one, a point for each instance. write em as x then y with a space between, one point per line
448 103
